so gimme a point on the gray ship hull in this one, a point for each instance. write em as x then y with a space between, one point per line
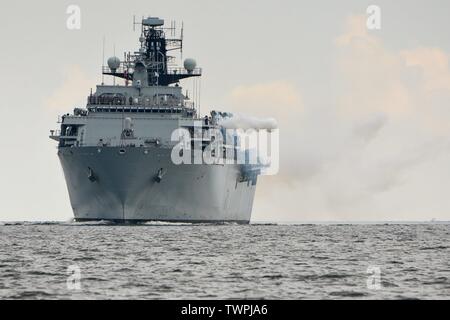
106 184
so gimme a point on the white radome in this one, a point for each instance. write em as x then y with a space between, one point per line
113 63
190 64
127 123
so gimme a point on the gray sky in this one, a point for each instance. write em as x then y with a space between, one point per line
363 115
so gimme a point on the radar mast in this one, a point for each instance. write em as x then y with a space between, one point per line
150 65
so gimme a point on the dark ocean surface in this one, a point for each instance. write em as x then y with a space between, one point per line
257 261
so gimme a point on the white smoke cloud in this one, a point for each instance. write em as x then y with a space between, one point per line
369 128
241 121
72 92
360 158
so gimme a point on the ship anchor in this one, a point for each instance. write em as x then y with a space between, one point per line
159 175
91 175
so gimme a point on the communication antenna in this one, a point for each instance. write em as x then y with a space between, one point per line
199 95
193 93
125 68
136 23
103 61
172 26
181 37
114 54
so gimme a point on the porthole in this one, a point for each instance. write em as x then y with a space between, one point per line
122 151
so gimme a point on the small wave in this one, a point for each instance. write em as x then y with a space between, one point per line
273 276
264 224
31 294
320 257
434 248
92 223
334 276
395 262
387 284
440 280
184 223
41 273
227 223
352 294
30 223
13 223
166 223
73 222
42 223
84 258
402 297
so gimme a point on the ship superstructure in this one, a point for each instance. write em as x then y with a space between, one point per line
116 152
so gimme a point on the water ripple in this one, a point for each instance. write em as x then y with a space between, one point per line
187 261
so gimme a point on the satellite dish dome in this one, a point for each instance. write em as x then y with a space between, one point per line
190 64
113 63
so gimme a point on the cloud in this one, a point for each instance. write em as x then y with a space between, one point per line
369 128
404 83
433 64
387 123
241 121
72 92
355 29
369 75
261 98
279 100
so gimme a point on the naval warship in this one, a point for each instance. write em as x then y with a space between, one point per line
117 152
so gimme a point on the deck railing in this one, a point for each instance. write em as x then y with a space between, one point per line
171 70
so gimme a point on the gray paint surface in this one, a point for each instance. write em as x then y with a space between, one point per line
126 189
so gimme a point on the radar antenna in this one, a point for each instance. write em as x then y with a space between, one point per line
153 60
